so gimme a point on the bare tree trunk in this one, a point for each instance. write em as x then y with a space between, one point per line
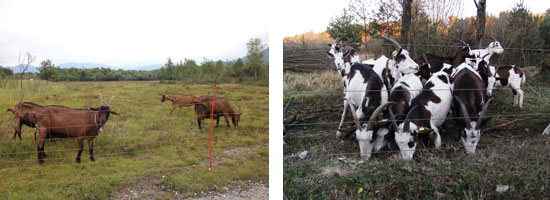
406 22
480 23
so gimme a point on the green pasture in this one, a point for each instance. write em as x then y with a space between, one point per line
145 142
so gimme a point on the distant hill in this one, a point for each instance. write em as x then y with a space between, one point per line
84 65
147 67
17 69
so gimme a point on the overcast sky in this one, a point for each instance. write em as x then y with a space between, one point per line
314 15
129 33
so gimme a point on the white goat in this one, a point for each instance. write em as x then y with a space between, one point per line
493 48
507 76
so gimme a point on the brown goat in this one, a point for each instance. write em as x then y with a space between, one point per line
179 101
203 109
60 121
21 115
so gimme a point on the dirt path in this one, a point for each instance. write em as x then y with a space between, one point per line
147 189
255 191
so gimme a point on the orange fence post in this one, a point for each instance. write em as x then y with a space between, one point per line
212 122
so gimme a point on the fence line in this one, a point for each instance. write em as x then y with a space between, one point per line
105 155
412 45
88 178
420 149
502 88
109 146
423 119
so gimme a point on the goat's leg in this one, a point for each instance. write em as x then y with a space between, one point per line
199 122
437 139
173 108
217 121
91 147
338 133
18 130
226 116
40 146
80 147
520 98
518 95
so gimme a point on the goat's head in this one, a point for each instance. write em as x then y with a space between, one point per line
465 51
424 69
364 132
481 65
235 117
495 46
400 60
471 133
336 52
163 98
104 111
406 135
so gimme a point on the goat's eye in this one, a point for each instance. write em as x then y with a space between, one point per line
411 144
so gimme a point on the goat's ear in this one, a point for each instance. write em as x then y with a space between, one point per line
92 108
330 45
114 112
239 114
330 55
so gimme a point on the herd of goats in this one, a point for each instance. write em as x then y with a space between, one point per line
55 121
404 110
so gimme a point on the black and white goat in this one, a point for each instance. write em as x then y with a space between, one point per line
404 90
493 48
364 132
362 82
337 51
364 90
507 76
470 105
428 110
398 64
430 64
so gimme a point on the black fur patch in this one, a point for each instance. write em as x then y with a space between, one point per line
443 78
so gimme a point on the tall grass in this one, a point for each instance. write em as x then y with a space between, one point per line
316 81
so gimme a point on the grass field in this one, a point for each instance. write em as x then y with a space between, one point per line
143 144
520 163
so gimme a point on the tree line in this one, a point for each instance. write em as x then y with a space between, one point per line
4 72
435 23
252 71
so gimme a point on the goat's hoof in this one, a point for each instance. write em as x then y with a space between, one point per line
45 156
78 160
41 161
92 159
